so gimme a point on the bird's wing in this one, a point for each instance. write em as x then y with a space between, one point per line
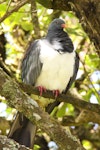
72 79
31 64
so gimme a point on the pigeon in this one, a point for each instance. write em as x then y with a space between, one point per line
50 63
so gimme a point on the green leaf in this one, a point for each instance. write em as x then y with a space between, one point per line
27 26
66 109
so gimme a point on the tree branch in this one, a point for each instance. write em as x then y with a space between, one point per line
35 20
8 13
68 98
8 144
26 105
83 118
2 1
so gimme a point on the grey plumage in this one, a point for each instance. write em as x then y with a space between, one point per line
31 65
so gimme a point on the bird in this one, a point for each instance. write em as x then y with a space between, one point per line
50 63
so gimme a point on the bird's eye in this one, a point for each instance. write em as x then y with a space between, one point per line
56 22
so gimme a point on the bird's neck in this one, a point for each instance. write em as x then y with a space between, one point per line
56 35
62 38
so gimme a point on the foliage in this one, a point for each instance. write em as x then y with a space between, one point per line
18 31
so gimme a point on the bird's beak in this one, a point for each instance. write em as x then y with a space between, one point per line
63 25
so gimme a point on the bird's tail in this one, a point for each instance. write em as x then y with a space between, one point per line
23 131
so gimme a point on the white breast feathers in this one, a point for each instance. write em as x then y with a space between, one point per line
57 68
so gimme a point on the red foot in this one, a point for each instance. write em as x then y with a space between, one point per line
41 89
56 93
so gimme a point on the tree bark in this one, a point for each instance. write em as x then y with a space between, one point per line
9 144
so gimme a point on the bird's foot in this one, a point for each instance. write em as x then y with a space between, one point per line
56 93
41 89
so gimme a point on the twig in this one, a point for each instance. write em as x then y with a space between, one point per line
8 13
2 2
35 20
5 68
9 3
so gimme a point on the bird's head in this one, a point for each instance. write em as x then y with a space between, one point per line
57 24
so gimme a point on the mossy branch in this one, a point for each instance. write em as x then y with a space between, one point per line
9 144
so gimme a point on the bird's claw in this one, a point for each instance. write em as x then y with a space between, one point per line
56 93
41 90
